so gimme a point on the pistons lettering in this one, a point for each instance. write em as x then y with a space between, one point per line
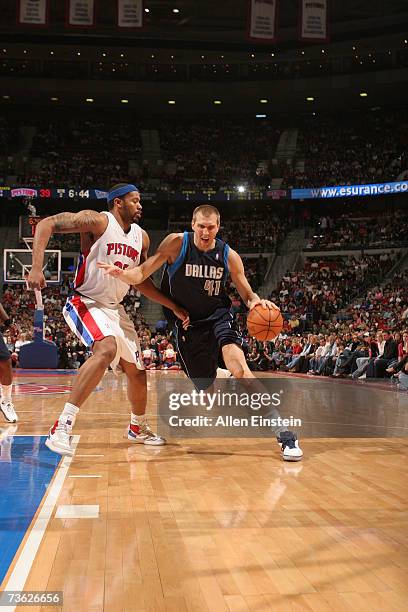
117 248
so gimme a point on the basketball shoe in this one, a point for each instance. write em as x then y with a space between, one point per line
60 438
142 434
7 408
289 445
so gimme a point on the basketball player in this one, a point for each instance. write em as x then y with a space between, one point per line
6 374
95 314
197 265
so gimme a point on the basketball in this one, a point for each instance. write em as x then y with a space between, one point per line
264 323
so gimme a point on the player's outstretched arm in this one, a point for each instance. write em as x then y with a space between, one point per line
63 223
166 252
249 297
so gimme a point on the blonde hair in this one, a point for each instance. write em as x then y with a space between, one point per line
206 210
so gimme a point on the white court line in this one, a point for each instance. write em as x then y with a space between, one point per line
23 565
86 476
88 456
83 413
77 511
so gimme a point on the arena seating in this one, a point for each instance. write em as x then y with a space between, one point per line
215 152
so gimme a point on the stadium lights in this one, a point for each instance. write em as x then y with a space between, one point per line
51 52
363 94
217 102
4 50
272 55
147 10
260 116
124 101
171 101
241 189
6 97
310 99
405 41
122 55
176 10
78 53
54 99
89 100
103 54
263 101
25 51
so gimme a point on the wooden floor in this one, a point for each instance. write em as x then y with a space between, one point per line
221 524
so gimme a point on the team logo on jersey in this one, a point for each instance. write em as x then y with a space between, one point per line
204 271
115 248
36 389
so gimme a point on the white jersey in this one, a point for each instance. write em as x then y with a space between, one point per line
117 247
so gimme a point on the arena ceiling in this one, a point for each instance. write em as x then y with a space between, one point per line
212 21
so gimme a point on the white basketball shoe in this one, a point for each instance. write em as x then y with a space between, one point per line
289 445
7 408
60 439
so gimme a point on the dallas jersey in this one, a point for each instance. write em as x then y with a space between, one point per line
117 247
196 280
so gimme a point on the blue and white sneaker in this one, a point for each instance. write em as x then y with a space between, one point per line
289 445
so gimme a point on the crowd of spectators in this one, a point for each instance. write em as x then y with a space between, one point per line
83 153
213 152
352 355
345 232
324 287
370 149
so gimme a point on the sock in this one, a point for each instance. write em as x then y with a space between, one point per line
69 413
6 392
137 421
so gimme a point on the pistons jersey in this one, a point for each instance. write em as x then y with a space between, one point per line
116 247
196 280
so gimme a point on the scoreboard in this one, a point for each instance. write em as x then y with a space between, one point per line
52 193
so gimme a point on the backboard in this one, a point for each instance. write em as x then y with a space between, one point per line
17 264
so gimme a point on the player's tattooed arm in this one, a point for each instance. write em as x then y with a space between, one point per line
62 223
81 222
167 251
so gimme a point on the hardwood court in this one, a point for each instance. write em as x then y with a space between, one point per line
221 524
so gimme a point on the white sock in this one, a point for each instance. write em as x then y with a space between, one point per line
137 419
6 392
69 413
